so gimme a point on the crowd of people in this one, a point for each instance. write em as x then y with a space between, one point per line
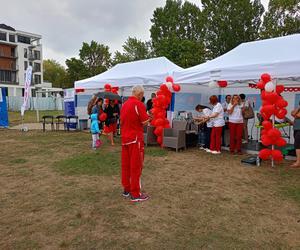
229 115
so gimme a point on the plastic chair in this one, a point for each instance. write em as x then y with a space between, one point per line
48 119
61 119
149 136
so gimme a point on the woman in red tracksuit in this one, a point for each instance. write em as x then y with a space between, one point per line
236 124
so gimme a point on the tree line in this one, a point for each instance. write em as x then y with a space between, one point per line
186 35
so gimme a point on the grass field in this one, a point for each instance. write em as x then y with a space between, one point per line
30 116
56 193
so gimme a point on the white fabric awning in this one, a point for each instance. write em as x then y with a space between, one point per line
280 57
149 72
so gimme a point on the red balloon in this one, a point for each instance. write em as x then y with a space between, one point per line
103 117
265 77
279 89
176 87
281 103
222 84
265 154
266 141
263 95
281 142
159 139
265 115
106 101
163 87
170 79
277 155
264 132
267 125
107 87
158 131
159 122
274 134
268 109
260 85
281 113
271 97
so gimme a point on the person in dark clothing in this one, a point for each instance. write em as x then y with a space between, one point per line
113 112
150 102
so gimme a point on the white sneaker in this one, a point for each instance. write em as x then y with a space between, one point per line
216 152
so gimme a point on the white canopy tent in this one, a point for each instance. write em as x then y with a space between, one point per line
149 72
280 57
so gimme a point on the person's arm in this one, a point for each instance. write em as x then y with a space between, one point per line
231 108
142 113
295 112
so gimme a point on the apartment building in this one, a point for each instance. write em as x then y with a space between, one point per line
18 50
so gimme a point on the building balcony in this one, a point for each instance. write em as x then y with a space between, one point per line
10 82
10 56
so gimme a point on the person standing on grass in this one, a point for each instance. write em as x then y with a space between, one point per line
95 131
296 114
236 124
226 127
133 118
217 116
110 128
245 104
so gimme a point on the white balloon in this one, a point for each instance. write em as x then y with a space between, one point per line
169 85
270 86
212 84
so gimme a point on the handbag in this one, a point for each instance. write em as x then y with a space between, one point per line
248 112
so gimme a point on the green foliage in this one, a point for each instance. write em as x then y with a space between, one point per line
177 33
97 163
230 23
282 18
133 49
94 58
55 73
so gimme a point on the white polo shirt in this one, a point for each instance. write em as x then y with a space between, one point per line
207 112
219 120
236 116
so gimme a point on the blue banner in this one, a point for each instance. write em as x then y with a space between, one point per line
3 109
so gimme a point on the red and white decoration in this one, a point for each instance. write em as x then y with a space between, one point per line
273 104
160 105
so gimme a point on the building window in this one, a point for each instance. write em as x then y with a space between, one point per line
37 79
2 36
30 64
25 53
24 39
12 38
37 55
37 67
5 76
25 65
31 55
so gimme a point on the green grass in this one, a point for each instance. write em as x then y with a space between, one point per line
96 163
18 161
156 151
292 192
30 116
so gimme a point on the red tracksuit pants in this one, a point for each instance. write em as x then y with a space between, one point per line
132 165
216 138
236 134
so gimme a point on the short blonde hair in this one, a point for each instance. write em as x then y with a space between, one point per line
136 90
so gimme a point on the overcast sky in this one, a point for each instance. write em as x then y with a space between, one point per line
65 24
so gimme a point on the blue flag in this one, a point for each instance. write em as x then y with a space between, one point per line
3 109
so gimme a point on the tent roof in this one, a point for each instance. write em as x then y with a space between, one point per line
279 57
149 72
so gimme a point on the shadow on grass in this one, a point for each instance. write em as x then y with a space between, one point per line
96 163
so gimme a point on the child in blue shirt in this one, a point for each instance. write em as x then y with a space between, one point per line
95 131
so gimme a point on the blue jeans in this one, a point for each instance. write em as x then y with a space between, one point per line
204 137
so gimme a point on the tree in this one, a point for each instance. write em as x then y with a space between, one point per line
177 33
229 23
94 58
55 73
133 49
282 18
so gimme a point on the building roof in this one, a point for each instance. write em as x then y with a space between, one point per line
6 27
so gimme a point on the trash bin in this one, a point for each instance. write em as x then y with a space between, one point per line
83 124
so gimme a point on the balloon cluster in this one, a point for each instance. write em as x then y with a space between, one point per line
273 104
215 84
160 105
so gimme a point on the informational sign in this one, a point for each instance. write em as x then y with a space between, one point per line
26 89
69 104
3 109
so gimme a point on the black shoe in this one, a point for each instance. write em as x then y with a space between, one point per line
126 194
